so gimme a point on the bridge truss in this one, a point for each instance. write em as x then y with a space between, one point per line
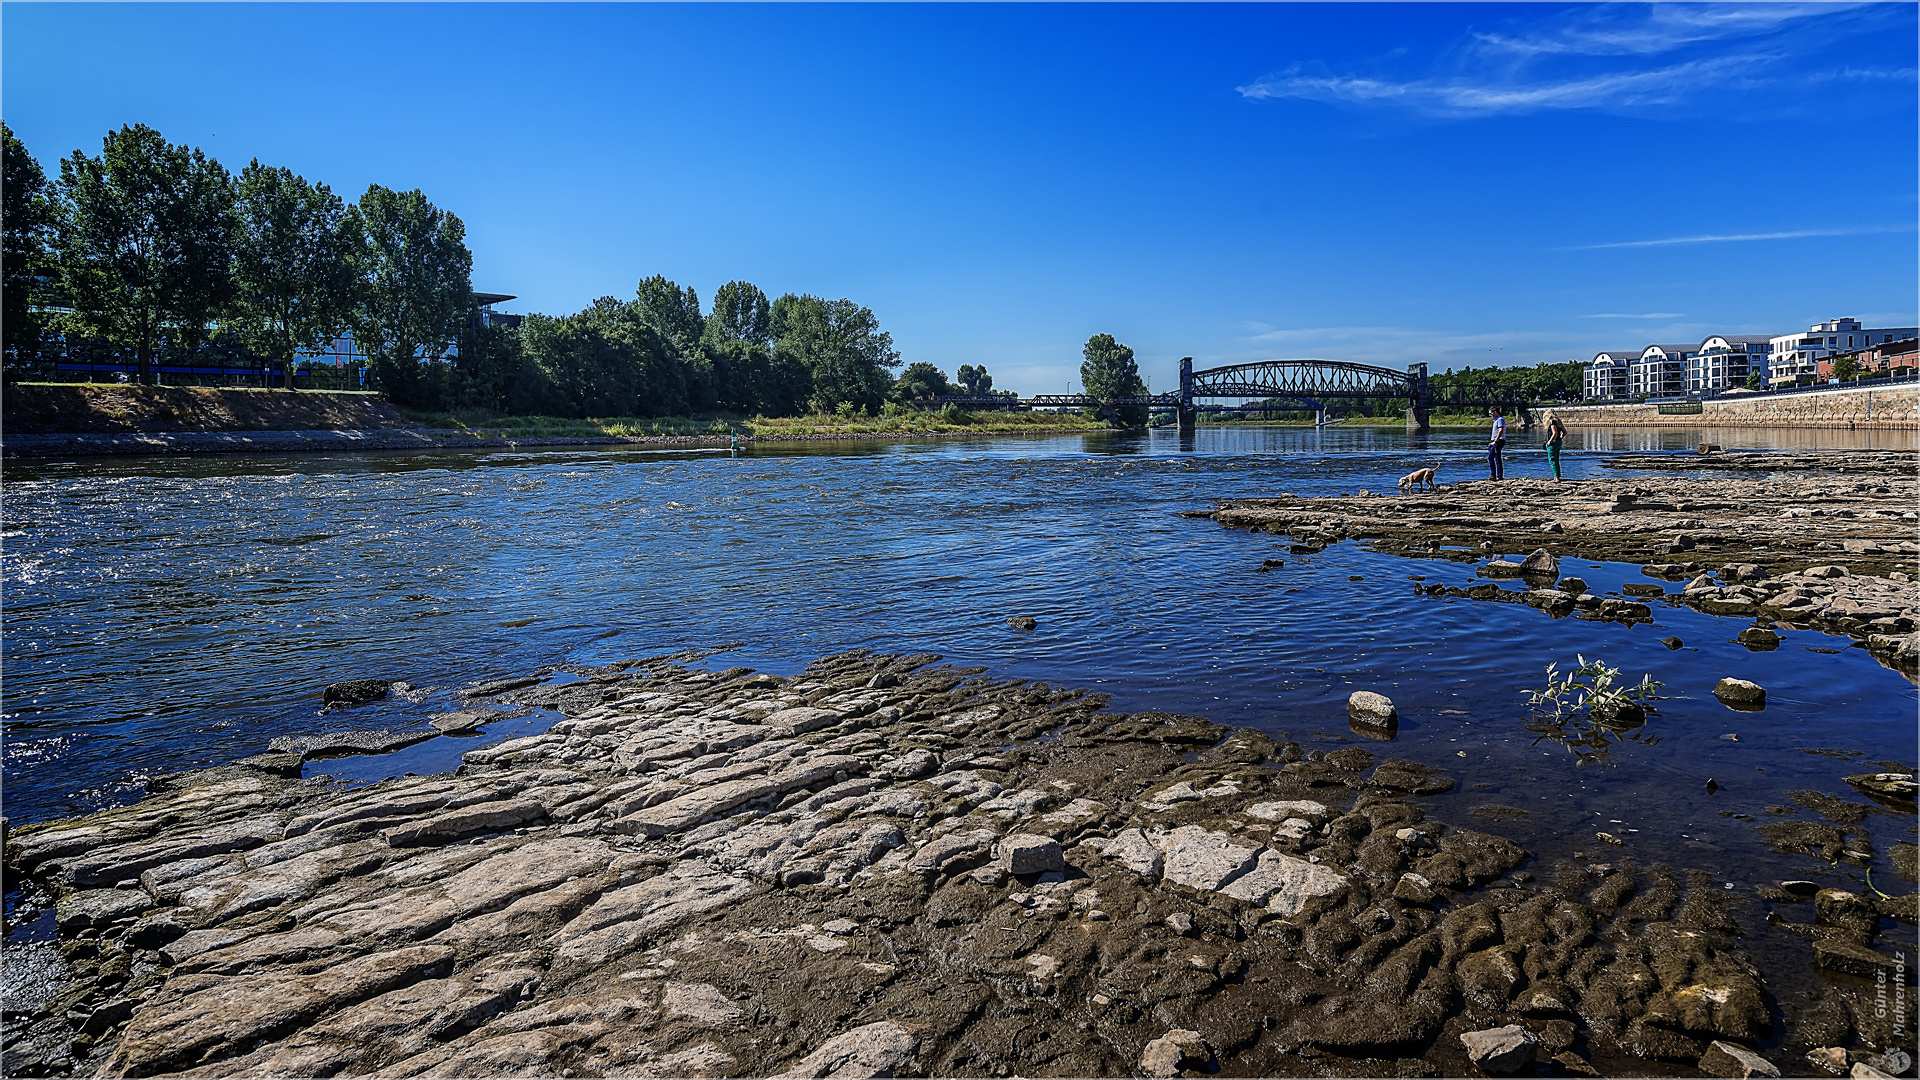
1310 382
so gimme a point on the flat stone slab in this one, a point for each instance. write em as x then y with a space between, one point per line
464 720
345 743
1500 1051
1201 859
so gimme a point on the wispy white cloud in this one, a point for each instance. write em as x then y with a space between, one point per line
1664 28
1597 58
1644 315
1735 238
1467 96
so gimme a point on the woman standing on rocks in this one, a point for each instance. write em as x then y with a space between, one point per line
1556 439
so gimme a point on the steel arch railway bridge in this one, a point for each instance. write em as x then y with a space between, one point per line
1312 383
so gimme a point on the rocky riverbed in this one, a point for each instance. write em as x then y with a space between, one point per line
1809 547
884 867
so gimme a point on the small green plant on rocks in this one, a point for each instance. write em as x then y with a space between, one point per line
1587 708
1590 690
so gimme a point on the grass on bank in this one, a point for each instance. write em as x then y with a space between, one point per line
489 423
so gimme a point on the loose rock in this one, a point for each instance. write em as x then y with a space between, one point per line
356 691
1500 1051
1729 1059
1165 1055
1025 853
1371 709
1740 694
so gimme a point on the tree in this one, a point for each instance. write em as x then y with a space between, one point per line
1753 381
740 313
610 361
293 284
748 378
144 251
920 382
673 311
413 279
974 380
1109 372
1846 367
27 217
840 345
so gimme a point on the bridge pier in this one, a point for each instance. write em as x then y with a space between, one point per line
1419 398
1188 415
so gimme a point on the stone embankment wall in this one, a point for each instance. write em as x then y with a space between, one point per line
1878 407
42 408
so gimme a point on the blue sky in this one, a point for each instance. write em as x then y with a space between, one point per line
1459 184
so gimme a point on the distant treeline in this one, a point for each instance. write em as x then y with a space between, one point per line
153 251
1541 382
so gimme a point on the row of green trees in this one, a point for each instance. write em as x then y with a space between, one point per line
152 248
659 355
149 246
1542 381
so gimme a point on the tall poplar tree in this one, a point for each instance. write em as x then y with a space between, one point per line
27 216
413 279
673 311
740 313
293 285
1108 372
145 245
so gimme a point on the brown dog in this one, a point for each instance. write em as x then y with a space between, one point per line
1414 479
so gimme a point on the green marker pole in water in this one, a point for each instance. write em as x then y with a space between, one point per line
733 442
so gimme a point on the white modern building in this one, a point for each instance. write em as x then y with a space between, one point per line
1606 375
1793 357
1725 361
1660 371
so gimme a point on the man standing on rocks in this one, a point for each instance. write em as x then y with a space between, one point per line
1495 444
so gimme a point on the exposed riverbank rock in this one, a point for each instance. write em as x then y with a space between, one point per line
1500 1051
1740 694
1816 550
877 867
356 691
1731 1059
338 743
1371 709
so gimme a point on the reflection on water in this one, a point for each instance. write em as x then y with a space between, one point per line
1592 737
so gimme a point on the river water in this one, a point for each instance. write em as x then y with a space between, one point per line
169 613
